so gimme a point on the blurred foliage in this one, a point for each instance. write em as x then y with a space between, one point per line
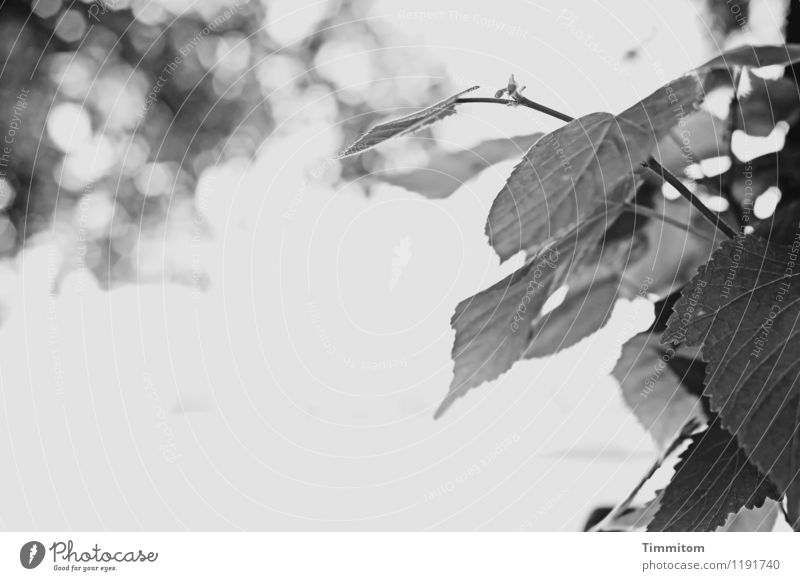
112 110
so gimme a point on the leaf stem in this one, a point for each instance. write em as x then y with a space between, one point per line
485 100
650 164
541 108
713 218
518 99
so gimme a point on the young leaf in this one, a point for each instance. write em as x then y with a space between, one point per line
653 390
712 480
447 171
408 124
743 308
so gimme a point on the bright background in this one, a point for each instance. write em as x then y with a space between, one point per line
289 379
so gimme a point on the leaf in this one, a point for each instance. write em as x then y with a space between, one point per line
712 480
781 227
755 57
594 289
492 328
571 172
743 308
657 259
408 124
793 505
742 56
447 171
585 310
647 255
653 390
495 327
759 519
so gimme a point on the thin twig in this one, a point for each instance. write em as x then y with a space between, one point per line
541 108
650 164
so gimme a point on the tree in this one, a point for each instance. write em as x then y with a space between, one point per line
585 205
